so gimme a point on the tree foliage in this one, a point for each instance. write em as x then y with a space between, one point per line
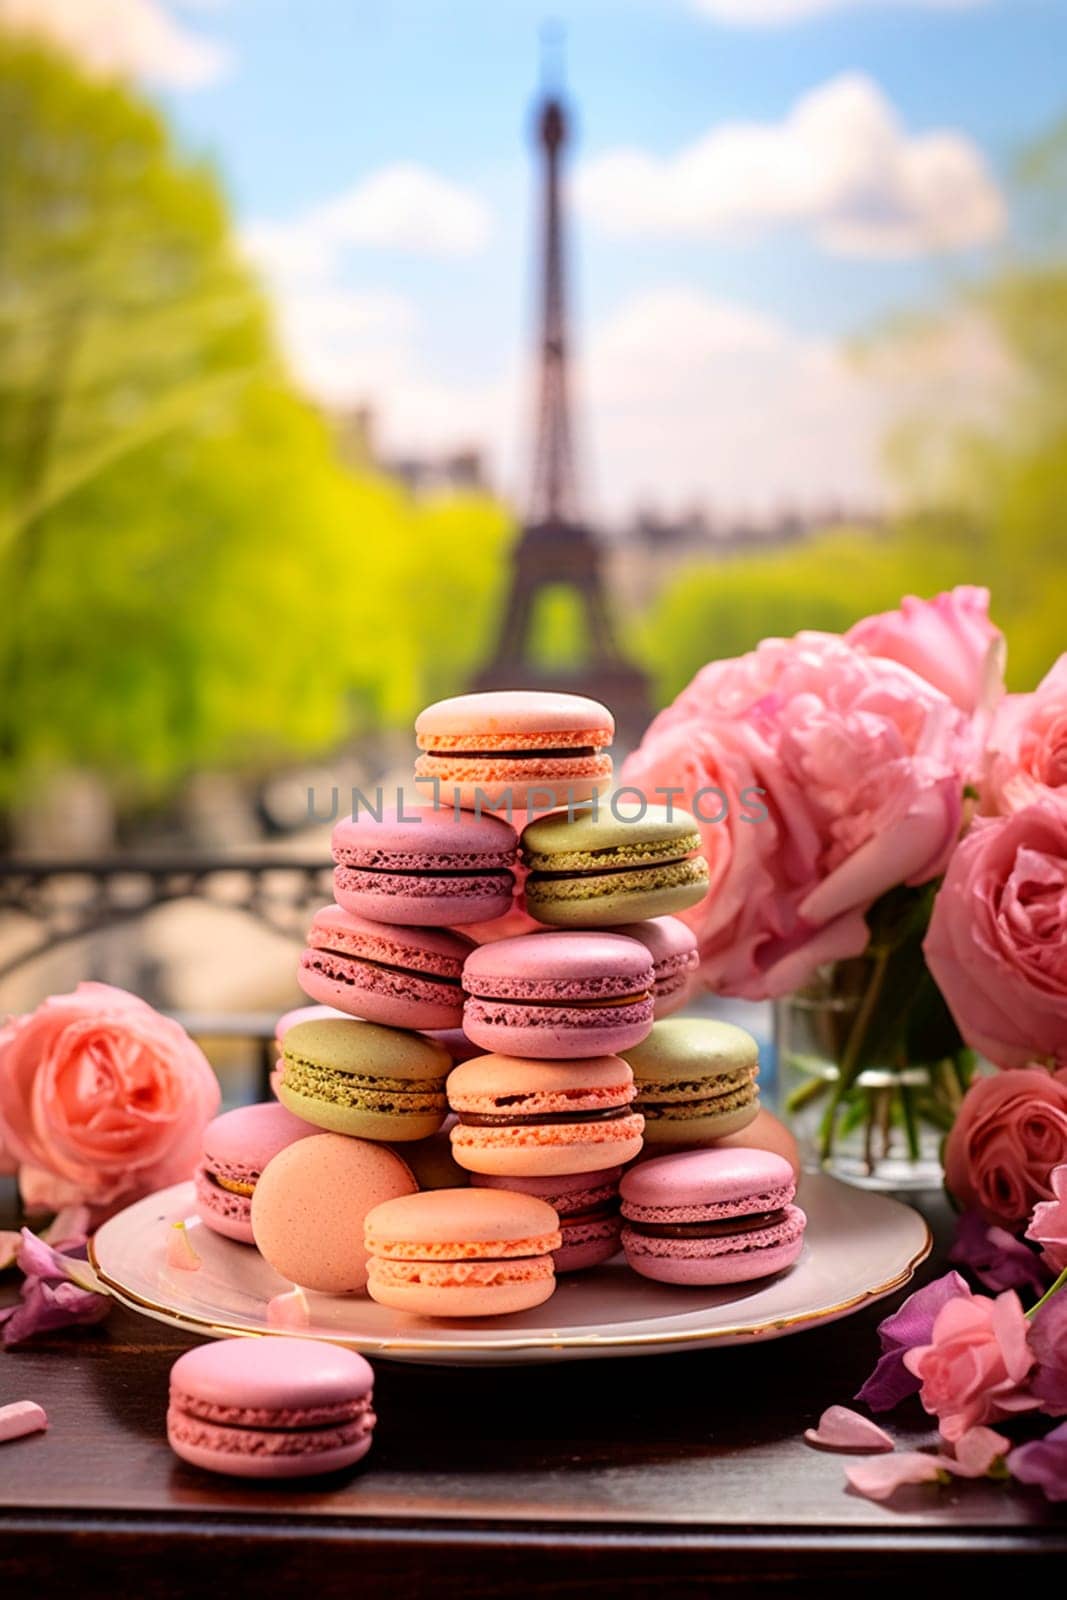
188 575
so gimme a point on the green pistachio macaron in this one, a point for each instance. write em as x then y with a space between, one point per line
364 1079
594 871
696 1080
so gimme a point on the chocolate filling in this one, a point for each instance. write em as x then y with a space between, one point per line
478 1119
515 755
384 966
578 1219
706 1230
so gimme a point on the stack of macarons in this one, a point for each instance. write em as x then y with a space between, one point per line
458 1109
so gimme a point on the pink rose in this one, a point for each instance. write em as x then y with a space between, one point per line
101 1098
840 778
1009 1135
997 942
1048 1225
973 1369
948 640
1027 758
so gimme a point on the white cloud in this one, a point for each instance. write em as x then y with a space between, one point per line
776 13
122 38
693 399
839 164
402 207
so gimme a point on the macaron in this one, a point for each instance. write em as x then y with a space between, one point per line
673 948
711 1216
558 995
515 749
424 867
364 1079
271 1407
696 1080
383 972
591 869
587 1205
237 1147
309 1206
522 1118
462 1253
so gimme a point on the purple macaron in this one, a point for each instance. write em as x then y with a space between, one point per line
272 1407
673 948
237 1146
382 972
711 1216
587 1204
558 996
422 867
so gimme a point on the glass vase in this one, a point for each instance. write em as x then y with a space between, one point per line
871 1071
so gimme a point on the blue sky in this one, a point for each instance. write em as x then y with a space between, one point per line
301 103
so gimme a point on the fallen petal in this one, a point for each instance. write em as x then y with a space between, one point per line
881 1476
40 1260
180 1251
977 1451
21 1417
843 1429
289 1310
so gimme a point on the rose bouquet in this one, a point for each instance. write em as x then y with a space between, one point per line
903 894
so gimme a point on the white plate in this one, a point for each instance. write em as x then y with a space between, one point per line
859 1247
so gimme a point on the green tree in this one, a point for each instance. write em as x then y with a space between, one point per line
189 576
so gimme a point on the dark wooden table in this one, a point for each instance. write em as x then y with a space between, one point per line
663 1475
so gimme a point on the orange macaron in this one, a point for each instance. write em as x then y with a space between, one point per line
462 1253
514 748
522 1118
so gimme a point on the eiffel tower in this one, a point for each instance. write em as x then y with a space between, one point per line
556 548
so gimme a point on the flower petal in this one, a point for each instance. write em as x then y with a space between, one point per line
20 1418
843 1429
881 1476
289 1310
180 1252
976 1451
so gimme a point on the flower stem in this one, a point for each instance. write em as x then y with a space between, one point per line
911 1128
1047 1296
850 1059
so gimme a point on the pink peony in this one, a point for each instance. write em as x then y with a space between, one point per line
1027 758
101 1098
997 942
1009 1135
857 765
1048 1225
973 1370
948 640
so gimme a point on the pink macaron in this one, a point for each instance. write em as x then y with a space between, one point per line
673 948
514 748
528 1119
272 1407
587 1204
711 1216
237 1147
555 996
382 972
421 867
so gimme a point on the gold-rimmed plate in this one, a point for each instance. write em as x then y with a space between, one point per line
859 1247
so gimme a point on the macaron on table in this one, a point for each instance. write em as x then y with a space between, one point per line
552 1107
